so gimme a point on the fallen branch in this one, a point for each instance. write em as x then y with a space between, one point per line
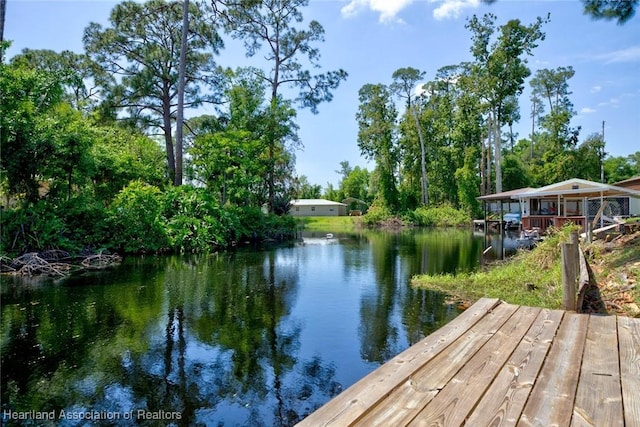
48 263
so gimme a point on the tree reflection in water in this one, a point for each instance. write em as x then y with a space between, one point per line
227 339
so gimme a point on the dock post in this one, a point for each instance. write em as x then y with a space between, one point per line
569 255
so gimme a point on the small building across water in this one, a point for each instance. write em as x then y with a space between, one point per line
317 207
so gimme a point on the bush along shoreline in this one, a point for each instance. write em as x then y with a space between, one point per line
432 216
141 219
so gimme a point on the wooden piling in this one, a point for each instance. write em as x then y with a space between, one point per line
569 258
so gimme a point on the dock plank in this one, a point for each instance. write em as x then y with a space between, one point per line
503 365
407 400
551 400
629 345
599 397
356 400
452 405
504 401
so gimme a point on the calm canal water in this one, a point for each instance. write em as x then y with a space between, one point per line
254 337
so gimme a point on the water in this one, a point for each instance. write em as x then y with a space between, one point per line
255 337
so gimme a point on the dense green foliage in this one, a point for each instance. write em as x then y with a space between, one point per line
69 181
80 169
454 139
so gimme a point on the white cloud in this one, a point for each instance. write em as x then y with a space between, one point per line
631 54
453 8
596 89
613 102
587 110
388 9
419 89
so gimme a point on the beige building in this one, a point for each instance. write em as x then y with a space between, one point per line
317 207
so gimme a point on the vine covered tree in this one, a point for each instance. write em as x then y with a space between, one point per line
404 84
376 118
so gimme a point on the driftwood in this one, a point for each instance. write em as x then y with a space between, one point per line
100 261
51 263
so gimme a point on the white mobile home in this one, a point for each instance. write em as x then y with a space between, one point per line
317 207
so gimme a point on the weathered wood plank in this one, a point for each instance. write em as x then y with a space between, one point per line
551 400
452 405
599 397
504 401
407 400
629 344
351 404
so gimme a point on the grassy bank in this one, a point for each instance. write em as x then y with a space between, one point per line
533 278
329 223
530 278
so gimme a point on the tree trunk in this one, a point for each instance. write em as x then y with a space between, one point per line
181 83
423 165
168 139
497 141
488 156
483 173
3 9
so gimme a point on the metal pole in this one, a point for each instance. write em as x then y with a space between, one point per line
602 157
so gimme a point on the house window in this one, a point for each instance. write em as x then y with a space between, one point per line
573 208
297 209
330 209
313 208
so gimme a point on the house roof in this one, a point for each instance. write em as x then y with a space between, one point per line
578 187
633 183
505 195
315 202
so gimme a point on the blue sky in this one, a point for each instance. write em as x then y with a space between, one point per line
370 39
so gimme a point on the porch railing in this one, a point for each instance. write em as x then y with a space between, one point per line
542 222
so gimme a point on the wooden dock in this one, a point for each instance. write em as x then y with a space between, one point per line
499 364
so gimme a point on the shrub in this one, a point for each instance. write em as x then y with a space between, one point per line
135 219
86 221
441 216
34 228
194 220
376 214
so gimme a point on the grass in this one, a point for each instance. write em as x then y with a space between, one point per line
530 278
534 278
329 223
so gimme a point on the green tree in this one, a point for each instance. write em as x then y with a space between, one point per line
29 97
619 10
404 84
74 71
589 157
140 51
377 139
120 157
356 184
469 184
70 137
268 28
231 154
500 69
227 163
551 88
306 190
620 168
